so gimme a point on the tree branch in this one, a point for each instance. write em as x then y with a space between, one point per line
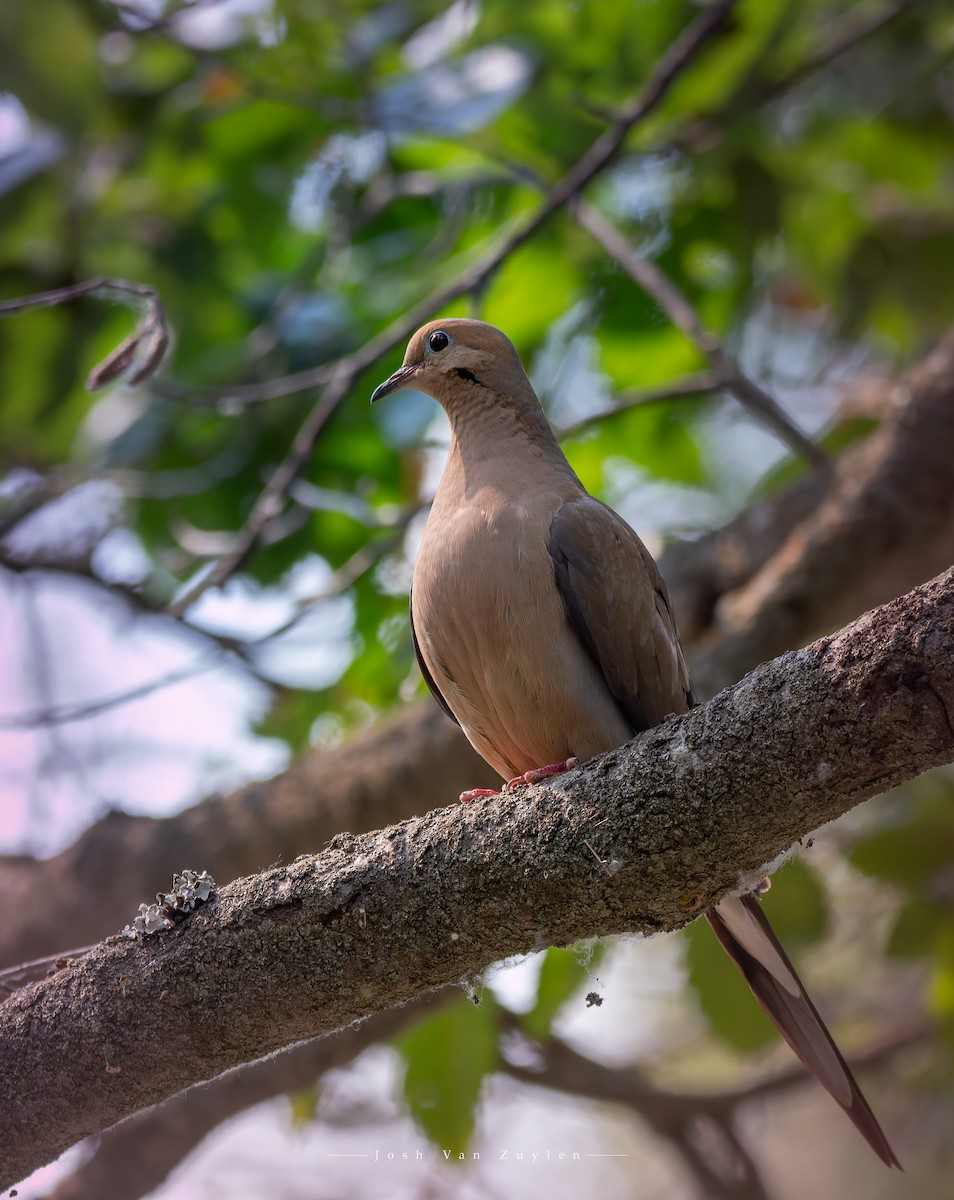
675 819
411 761
846 37
676 1116
63 714
888 510
689 387
137 357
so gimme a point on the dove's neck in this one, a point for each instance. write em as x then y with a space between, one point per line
506 443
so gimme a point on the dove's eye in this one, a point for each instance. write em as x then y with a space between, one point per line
437 341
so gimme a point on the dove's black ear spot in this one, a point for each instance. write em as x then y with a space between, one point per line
463 373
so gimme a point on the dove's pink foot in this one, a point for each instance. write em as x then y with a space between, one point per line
476 794
533 776
539 773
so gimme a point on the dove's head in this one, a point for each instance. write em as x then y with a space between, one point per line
463 365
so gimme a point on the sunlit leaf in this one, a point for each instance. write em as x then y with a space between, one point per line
303 1105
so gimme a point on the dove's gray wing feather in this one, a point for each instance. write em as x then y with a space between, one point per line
619 607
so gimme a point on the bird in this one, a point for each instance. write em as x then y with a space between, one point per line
544 628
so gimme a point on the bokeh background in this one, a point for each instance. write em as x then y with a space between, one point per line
204 571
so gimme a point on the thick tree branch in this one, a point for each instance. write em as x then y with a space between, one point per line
638 840
888 511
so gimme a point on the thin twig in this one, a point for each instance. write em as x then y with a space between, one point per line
18 976
138 356
843 41
686 388
185 481
62 714
755 94
347 574
271 499
646 275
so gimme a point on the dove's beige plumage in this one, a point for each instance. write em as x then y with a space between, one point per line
543 627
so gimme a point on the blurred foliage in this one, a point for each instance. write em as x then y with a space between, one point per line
303 1105
916 854
291 180
447 1057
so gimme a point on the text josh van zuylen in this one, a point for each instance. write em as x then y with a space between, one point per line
505 1154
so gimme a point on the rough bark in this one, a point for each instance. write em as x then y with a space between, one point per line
638 840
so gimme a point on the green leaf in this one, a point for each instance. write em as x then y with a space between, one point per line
729 60
533 287
941 988
915 930
660 442
447 1058
563 972
303 1105
643 357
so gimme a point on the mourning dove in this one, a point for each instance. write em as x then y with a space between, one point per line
543 627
